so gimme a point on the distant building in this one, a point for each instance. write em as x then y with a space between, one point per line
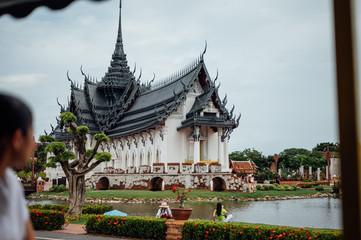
247 167
181 120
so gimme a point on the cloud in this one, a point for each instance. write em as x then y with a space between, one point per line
22 80
275 59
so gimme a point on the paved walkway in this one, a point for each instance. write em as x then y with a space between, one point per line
73 229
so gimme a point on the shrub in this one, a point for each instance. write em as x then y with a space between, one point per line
60 188
294 187
96 209
307 180
266 187
319 188
307 185
87 209
271 187
47 219
258 187
135 227
276 185
63 208
214 230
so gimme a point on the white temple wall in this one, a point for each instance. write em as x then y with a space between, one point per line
212 145
190 98
175 140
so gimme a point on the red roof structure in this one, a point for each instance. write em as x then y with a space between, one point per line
248 167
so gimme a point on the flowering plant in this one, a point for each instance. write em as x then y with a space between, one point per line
182 194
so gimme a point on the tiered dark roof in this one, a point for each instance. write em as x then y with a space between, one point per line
120 106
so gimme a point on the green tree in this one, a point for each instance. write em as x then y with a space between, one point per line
76 166
292 157
257 157
321 147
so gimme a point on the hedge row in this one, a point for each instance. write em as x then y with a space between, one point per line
236 231
135 227
47 219
87 209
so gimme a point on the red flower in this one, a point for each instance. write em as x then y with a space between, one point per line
214 229
174 188
178 197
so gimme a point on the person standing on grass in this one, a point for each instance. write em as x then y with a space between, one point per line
221 214
164 211
252 182
16 148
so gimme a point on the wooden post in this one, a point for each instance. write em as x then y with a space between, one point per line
346 73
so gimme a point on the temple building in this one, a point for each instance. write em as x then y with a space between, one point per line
153 127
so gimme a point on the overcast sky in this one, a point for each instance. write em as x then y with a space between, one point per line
275 59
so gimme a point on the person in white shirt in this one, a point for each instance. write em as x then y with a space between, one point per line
16 147
252 182
164 211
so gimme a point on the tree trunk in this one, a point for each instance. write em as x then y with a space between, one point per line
76 194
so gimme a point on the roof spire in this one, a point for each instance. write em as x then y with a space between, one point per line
119 45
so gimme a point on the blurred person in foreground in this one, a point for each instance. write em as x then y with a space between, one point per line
16 147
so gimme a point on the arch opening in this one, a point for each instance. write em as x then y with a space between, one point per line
155 184
219 185
103 184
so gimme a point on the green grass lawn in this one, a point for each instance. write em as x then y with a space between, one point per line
142 194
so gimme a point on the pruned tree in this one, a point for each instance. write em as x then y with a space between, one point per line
76 165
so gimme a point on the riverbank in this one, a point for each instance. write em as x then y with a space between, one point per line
134 196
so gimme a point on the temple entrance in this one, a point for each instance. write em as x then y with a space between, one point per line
156 184
103 184
219 184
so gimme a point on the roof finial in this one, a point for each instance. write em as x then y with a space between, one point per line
204 51
119 45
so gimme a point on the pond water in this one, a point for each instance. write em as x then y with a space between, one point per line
315 212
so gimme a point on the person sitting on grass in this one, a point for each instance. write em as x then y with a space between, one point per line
164 211
16 147
221 214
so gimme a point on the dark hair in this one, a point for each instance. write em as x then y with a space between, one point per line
219 209
15 114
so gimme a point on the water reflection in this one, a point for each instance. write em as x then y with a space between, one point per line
317 212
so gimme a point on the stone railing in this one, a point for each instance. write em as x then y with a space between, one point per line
215 168
200 168
172 168
144 169
158 168
187 168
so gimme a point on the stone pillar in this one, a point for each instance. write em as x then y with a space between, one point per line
196 152
164 155
225 164
310 172
220 147
196 158
302 172
318 174
326 173
174 229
